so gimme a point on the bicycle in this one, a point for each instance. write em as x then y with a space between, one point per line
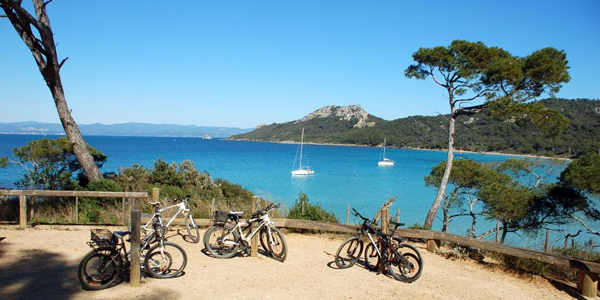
183 208
223 240
403 261
110 260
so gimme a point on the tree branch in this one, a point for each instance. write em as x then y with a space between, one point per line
590 230
62 63
47 2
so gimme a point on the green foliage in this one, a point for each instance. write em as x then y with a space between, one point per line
418 226
104 185
183 179
51 164
90 211
583 173
313 212
3 162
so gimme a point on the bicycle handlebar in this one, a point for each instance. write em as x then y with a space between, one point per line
269 207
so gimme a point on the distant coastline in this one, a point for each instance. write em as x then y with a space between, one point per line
407 148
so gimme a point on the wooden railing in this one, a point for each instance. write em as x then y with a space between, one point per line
588 271
23 194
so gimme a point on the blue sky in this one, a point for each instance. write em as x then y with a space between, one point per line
242 63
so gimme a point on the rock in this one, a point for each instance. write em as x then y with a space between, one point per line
347 113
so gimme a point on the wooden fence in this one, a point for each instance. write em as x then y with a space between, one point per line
23 194
588 271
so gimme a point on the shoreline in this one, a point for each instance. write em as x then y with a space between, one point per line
405 148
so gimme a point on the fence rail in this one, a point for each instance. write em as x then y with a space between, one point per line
23 194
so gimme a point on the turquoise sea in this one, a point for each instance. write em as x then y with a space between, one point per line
343 175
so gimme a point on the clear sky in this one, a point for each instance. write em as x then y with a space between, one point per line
242 63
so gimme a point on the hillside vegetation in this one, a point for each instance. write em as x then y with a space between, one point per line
474 133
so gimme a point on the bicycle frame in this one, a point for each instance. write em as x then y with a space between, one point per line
182 208
264 221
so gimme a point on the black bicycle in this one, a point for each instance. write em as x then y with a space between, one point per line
403 261
109 262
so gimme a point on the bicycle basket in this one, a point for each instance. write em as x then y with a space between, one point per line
220 216
102 238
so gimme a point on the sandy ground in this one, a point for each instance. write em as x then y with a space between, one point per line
41 263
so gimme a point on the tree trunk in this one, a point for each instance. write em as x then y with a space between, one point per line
504 232
44 52
446 177
74 135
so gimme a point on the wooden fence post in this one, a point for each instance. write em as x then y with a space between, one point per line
23 211
155 192
254 241
588 283
77 209
212 209
136 223
124 209
385 228
547 243
398 215
347 213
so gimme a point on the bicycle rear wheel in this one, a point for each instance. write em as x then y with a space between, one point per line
220 241
99 269
192 228
404 263
371 257
348 253
278 246
167 262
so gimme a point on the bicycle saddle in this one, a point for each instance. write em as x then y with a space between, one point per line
121 234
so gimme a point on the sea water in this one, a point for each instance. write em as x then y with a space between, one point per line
343 175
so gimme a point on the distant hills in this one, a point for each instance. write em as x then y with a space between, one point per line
338 125
125 129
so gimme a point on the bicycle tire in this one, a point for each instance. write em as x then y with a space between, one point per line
167 263
372 259
263 236
278 246
347 258
99 269
405 263
192 228
214 244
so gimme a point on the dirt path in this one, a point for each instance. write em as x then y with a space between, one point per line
42 264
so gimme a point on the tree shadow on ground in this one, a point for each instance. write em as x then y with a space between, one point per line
36 274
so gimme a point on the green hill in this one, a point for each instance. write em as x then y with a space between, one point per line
474 133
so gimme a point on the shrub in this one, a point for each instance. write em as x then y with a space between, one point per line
312 212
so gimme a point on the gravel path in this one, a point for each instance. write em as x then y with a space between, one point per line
41 263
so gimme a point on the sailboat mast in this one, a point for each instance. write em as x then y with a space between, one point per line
384 148
301 145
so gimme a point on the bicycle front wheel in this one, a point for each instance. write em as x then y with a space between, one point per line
371 257
278 245
263 236
192 229
348 253
221 241
404 263
99 269
165 262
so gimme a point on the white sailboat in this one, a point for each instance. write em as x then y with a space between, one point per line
384 162
302 170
